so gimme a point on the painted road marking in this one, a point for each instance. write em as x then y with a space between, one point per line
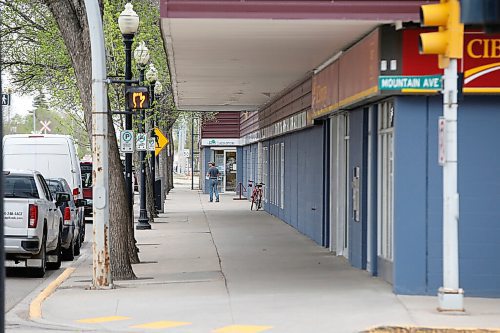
161 324
102 319
242 329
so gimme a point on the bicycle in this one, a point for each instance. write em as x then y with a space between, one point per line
256 194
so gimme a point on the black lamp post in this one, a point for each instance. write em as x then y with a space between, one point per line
141 55
128 21
152 77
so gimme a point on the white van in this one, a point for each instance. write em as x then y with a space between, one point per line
53 155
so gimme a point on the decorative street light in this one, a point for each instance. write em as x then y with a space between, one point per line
128 22
141 56
152 77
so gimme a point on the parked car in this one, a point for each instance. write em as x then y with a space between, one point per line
32 222
73 232
53 155
86 170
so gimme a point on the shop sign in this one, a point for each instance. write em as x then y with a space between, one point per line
480 63
220 142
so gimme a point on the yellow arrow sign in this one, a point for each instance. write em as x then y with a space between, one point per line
161 141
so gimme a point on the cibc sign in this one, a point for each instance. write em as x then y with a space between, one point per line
138 98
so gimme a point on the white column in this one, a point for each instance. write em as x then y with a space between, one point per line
450 294
102 278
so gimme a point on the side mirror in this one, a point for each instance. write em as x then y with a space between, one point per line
81 203
61 197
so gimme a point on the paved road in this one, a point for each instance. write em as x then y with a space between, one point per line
19 284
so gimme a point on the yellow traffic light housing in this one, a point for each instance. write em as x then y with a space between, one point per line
448 41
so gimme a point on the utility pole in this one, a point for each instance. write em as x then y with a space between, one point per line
2 250
447 43
101 277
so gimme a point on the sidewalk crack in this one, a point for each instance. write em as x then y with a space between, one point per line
218 257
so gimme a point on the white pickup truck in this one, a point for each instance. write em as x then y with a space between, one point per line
32 222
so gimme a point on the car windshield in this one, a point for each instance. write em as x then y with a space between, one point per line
19 186
55 186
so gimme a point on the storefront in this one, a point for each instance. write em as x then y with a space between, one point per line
224 153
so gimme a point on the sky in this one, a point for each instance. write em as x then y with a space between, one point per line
19 104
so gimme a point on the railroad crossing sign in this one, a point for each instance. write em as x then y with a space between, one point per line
161 141
5 99
45 126
141 142
127 141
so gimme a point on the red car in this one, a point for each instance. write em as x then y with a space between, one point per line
86 170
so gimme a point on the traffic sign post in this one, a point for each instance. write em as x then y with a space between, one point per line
127 141
141 142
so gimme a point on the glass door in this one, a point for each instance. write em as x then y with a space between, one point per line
230 171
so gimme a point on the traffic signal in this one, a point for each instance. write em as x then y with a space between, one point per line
448 41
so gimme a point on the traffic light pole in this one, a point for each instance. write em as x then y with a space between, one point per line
451 296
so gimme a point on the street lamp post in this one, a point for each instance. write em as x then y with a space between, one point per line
128 22
141 55
152 77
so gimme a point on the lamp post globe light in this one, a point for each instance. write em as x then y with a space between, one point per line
152 77
141 56
128 22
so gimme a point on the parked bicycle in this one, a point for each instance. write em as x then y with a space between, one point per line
256 194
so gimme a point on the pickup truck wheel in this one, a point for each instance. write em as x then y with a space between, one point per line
57 252
69 253
77 246
39 272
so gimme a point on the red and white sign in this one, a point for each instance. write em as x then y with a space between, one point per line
480 64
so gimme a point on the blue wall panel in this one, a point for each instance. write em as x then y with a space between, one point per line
418 212
358 121
410 190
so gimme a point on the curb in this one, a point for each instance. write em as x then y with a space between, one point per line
35 311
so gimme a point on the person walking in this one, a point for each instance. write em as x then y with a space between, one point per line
213 177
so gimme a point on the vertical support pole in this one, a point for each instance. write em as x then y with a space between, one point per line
2 249
143 222
192 151
101 252
128 40
450 294
152 159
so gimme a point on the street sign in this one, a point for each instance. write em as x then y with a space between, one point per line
161 141
5 99
138 98
398 82
141 142
45 126
127 141
151 144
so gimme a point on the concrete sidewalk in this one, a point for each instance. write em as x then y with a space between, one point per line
219 267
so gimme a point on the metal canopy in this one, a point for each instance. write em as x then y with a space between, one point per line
237 55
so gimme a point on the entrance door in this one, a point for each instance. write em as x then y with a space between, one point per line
339 185
219 164
230 162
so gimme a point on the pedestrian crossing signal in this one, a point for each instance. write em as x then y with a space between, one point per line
138 98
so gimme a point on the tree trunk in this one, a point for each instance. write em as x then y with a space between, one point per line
71 19
150 200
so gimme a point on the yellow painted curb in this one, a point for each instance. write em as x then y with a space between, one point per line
36 304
